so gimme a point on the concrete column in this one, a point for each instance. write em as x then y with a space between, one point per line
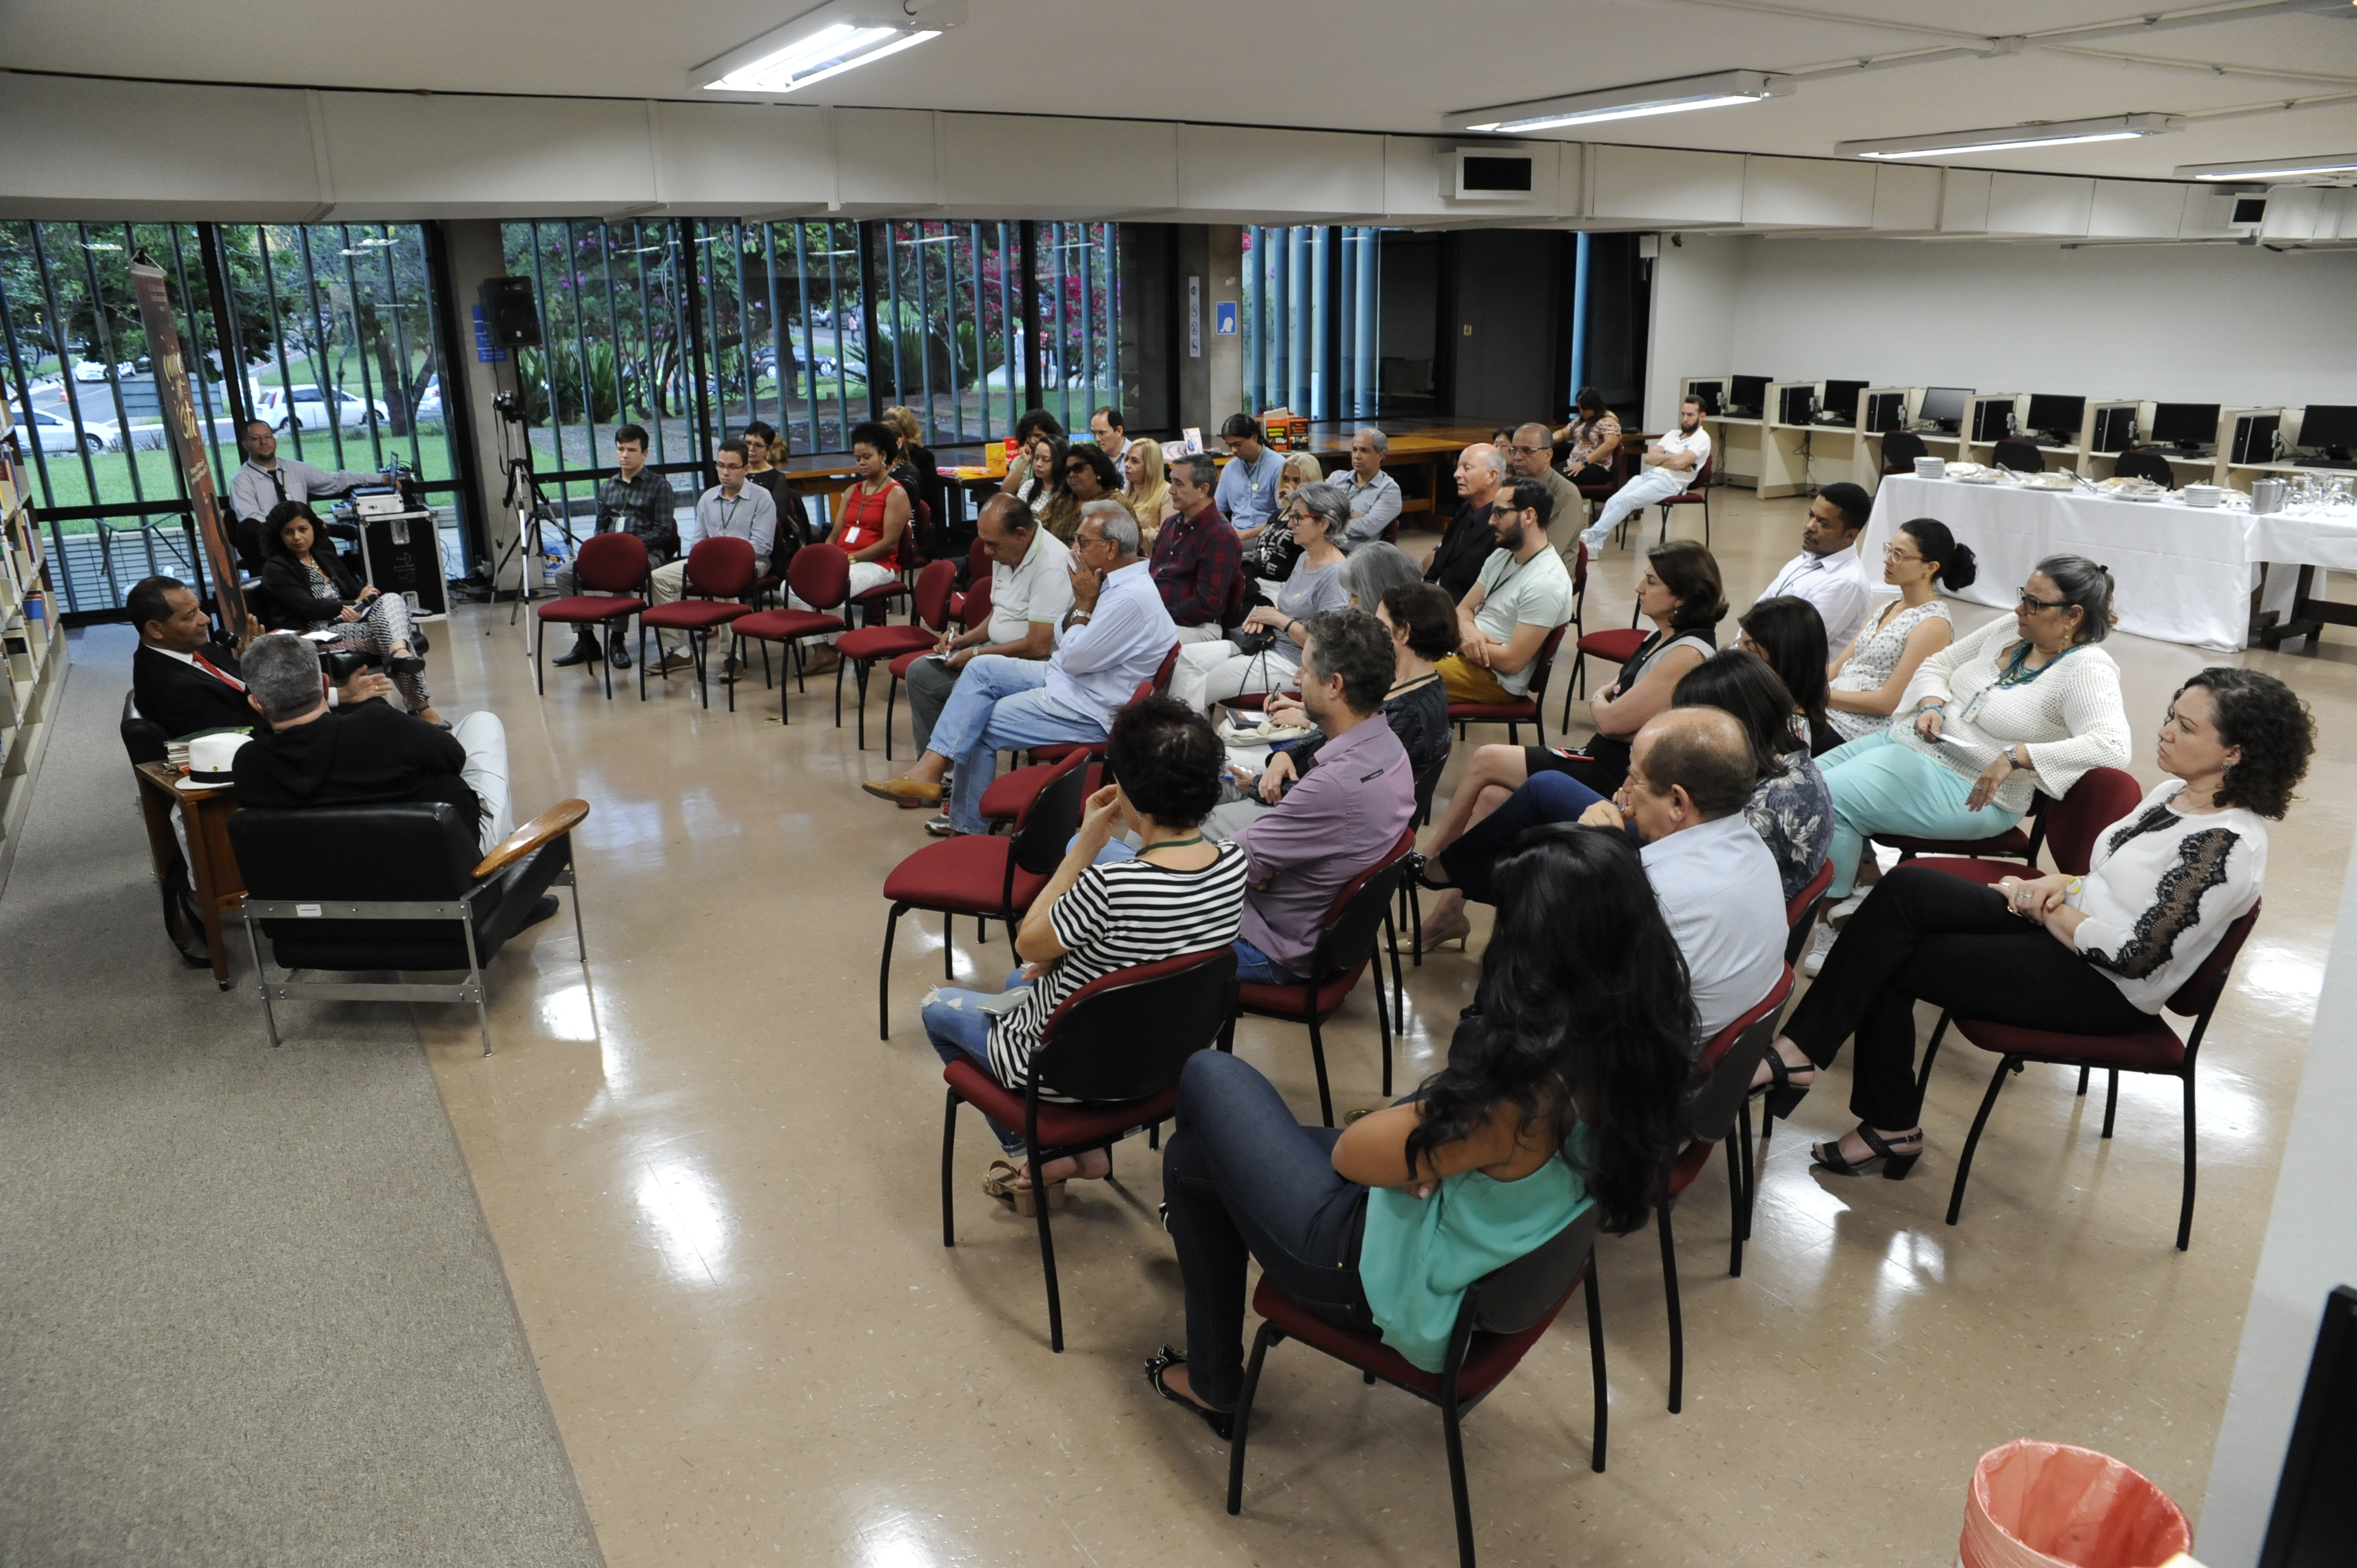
475 253
1224 283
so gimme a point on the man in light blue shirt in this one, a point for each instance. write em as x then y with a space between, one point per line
1374 495
729 510
1247 490
1115 635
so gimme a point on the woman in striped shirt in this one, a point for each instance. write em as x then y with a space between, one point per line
1178 894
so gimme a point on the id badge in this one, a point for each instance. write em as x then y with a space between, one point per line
1973 708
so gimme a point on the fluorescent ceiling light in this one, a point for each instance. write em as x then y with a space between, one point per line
1719 90
836 37
2008 138
2272 168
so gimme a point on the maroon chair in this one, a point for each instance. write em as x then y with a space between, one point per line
982 874
1056 751
971 608
2154 1049
820 575
1578 626
1696 494
1718 1106
1505 1313
1117 1046
1618 645
866 644
1800 911
1516 712
2069 827
613 568
1008 793
720 574
1360 912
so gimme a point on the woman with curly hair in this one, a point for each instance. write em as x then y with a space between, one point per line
1559 1096
2083 955
312 588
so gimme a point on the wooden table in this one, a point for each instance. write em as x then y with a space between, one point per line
220 886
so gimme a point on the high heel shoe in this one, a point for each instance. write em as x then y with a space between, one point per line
1455 929
1895 1165
1782 1094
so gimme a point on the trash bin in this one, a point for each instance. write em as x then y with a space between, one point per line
2049 1505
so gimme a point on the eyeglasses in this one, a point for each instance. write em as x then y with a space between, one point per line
1895 553
1530 451
2035 603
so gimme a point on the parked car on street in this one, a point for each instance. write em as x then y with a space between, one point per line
57 433
308 407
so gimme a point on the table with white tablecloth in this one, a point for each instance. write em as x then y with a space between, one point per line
2184 574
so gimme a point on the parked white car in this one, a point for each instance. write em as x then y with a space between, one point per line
429 403
307 406
57 433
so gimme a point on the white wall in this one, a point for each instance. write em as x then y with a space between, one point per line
2223 324
2310 1247
1695 289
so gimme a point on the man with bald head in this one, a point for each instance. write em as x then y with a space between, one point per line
1454 566
1690 773
1532 456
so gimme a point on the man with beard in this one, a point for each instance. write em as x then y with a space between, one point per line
1522 594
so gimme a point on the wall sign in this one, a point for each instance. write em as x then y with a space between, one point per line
1194 318
1223 318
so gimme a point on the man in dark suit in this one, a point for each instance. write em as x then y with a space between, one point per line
185 681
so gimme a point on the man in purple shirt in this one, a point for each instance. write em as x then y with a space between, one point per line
1195 557
1343 816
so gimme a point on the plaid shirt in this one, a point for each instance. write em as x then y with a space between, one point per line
642 506
1196 560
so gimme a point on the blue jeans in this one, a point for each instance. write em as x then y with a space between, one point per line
1253 966
960 1031
999 704
1881 787
1244 1178
1548 798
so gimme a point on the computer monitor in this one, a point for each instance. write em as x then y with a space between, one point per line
1945 406
2315 1513
1708 392
1886 412
2329 427
1747 394
1795 404
1841 398
2184 424
2051 414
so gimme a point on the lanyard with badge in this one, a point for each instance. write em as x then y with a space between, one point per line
2017 673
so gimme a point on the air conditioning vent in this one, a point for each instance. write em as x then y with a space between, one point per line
1484 174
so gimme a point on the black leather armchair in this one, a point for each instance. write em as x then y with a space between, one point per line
397 888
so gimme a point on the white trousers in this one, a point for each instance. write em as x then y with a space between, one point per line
865 575
1210 631
1209 673
486 773
1652 485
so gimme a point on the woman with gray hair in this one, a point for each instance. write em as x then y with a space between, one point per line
1374 569
1266 651
2026 704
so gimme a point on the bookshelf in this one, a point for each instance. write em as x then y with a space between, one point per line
32 645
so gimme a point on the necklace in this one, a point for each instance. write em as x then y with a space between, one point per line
1171 843
1399 686
2018 673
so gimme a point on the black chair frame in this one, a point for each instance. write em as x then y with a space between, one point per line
1365 918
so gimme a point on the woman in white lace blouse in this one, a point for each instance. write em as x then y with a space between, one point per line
1870 674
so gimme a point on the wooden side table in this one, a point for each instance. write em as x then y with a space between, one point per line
220 886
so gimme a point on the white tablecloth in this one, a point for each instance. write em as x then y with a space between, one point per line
2184 574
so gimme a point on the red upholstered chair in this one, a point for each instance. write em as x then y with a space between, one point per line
1800 911
1056 751
2021 840
1696 494
866 645
720 574
1578 626
983 875
1719 1107
2156 1048
613 568
2069 827
1504 1313
1008 793
820 575
1117 1045
1527 709
1360 912
972 609
1617 645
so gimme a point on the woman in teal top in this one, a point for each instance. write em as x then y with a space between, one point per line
1561 1095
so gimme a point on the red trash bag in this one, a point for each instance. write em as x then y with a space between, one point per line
2049 1505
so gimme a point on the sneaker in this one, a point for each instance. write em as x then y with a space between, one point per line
940 827
677 662
1839 915
1594 537
1820 944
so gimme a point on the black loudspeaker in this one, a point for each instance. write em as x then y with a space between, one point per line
509 312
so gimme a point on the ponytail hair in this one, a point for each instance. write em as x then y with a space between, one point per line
1957 567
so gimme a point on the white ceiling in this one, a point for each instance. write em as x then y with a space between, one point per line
1362 65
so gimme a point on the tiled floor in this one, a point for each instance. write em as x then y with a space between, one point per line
716 1193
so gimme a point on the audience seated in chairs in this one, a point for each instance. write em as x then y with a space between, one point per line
1468 544
1560 1096
1262 654
1270 557
1375 496
2097 955
1195 557
309 585
1867 677
636 502
872 523
1178 894
1115 635
1827 572
366 755
1786 634
266 482
1031 591
1594 438
1337 821
1531 456
733 509
1671 466
763 446
1522 593
1423 627
183 682
1147 491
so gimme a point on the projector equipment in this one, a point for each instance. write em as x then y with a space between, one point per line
509 314
2255 439
378 502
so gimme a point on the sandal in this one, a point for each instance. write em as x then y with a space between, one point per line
1895 1165
1006 1179
1222 1423
1783 1095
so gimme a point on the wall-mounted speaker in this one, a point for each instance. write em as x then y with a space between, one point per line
509 312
